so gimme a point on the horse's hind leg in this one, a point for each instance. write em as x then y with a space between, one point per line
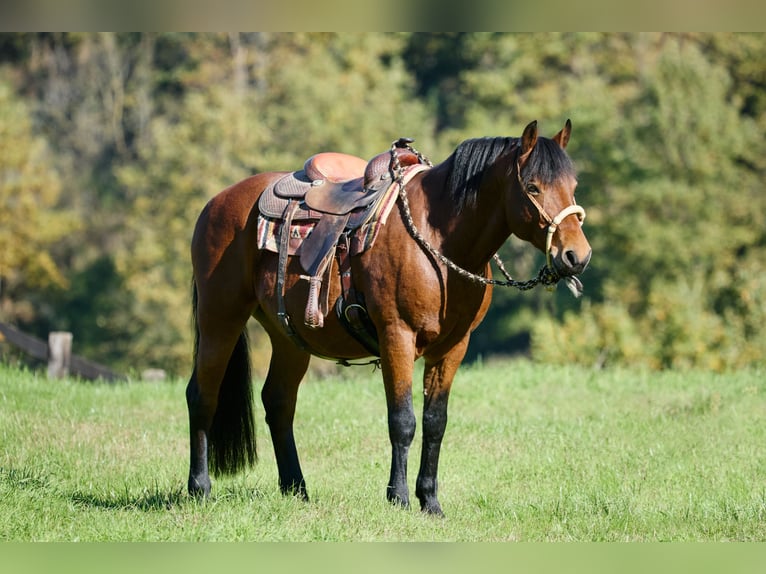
219 399
279 395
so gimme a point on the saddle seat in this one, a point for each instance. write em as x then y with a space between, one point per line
332 191
334 167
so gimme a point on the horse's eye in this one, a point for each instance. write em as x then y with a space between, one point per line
532 189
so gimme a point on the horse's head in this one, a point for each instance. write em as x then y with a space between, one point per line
543 207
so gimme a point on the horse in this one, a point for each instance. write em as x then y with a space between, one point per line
425 284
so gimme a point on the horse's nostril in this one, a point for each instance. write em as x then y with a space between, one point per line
571 259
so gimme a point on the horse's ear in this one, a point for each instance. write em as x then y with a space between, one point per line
562 138
528 140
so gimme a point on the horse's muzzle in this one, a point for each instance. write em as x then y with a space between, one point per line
570 263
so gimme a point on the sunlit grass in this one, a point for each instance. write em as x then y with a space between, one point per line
531 453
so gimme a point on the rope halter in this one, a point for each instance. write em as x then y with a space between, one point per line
553 222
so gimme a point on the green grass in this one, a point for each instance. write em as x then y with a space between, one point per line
532 453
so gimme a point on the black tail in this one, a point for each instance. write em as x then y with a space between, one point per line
231 439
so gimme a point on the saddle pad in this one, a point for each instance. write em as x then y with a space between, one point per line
268 234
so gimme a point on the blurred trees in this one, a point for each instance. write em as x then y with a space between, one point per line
680 223
110 145
31 223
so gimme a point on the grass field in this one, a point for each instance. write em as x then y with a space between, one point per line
532 453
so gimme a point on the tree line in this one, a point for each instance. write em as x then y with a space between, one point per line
110 145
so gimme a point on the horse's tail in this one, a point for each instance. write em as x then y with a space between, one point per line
231 438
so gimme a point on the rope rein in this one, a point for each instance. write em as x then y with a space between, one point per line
547 275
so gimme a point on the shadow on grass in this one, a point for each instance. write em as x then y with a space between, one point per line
157 499
24 478
146 499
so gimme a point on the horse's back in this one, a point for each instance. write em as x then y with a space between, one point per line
224 239
235 204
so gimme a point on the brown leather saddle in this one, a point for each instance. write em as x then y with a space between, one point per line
334 194
332 183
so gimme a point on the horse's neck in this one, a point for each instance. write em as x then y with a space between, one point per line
473 236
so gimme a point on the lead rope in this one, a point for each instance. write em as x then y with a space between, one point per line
546 276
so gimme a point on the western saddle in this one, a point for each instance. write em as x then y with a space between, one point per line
334 206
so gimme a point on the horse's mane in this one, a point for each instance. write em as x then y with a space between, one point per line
470 159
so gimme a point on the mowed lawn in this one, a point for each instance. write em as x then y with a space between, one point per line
532 453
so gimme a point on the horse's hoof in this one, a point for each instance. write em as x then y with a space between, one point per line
298 490
432 509
398 500
199 489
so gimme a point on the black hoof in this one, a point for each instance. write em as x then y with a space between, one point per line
297 490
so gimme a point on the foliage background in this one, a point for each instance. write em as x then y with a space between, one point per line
110 145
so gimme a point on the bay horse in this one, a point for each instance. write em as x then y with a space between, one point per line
425 283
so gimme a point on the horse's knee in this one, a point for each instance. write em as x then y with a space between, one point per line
401 423
401 429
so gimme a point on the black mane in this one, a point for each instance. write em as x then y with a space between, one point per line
470 159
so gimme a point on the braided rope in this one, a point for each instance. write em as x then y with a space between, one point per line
546 276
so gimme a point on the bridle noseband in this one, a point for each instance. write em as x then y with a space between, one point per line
553 222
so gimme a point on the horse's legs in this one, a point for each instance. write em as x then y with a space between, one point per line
279 395
221 357
212 360
199 422
437 381
397 366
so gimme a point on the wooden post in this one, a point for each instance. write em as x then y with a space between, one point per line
59 354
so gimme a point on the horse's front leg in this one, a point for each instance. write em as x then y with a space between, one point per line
437 381
397 365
